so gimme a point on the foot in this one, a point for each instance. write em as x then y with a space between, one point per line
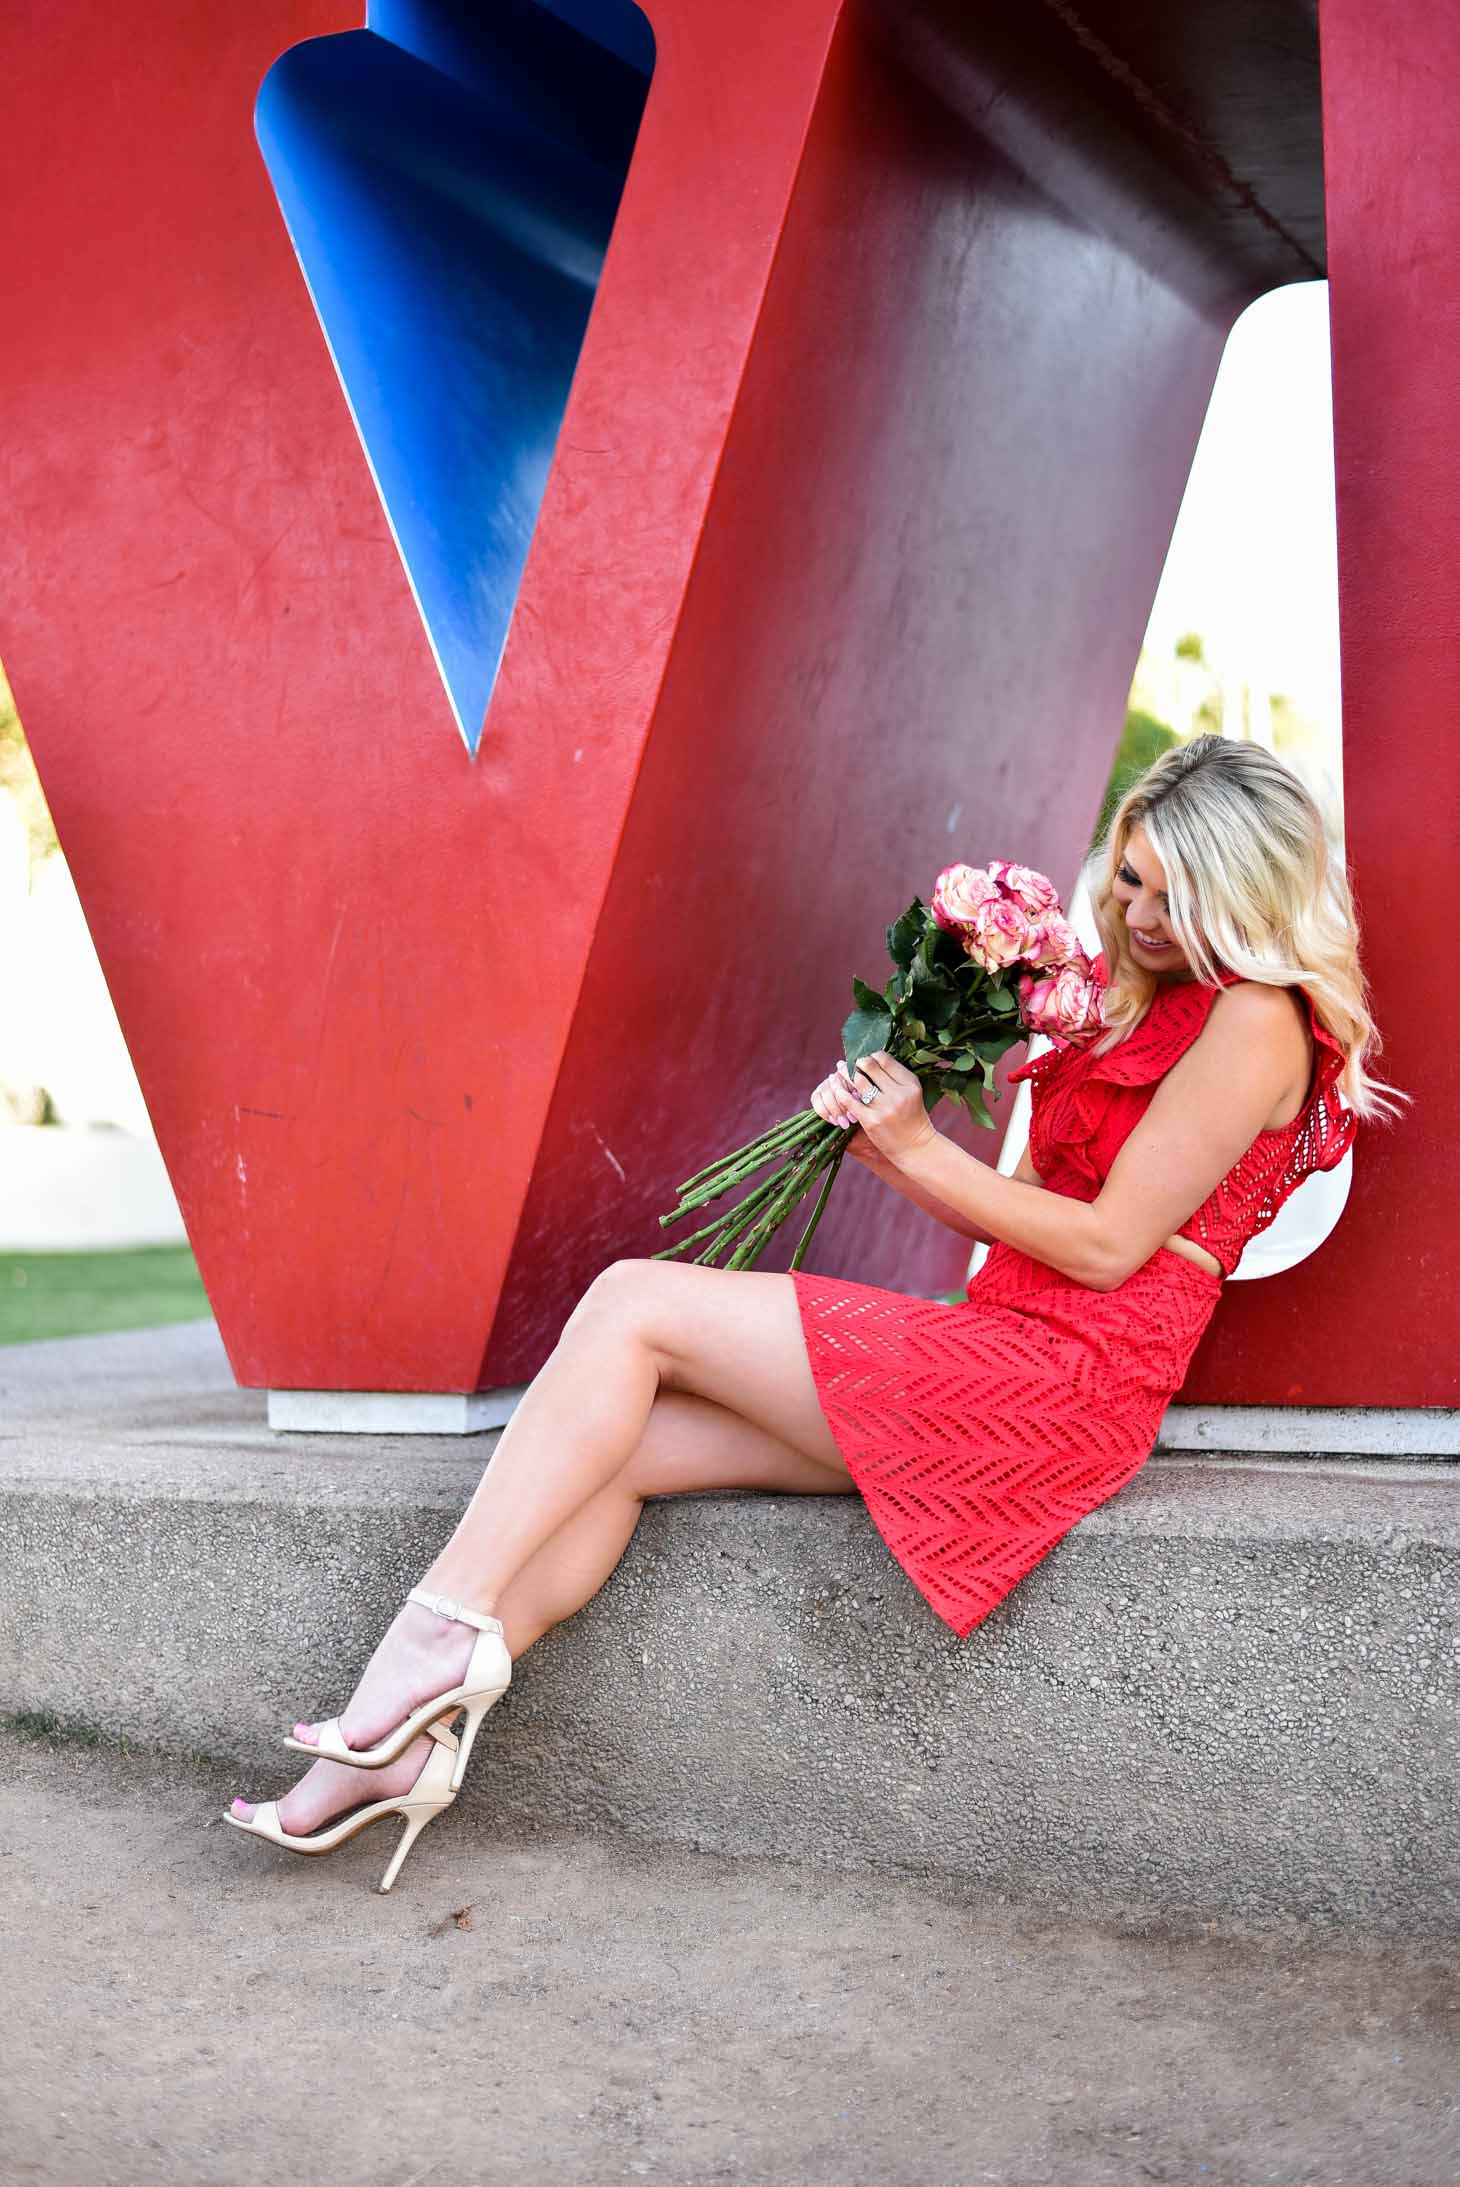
331 1789
420 1656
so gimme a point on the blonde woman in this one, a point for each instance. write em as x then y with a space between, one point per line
1233 1062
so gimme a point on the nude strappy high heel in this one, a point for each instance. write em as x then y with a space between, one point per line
434 1789
488 1676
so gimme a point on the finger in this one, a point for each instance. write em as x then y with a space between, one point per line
830 1102
851 1092
888 1075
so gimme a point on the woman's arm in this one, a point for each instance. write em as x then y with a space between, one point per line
1204 1115
861 1148
900 1181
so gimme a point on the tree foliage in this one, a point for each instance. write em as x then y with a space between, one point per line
19 778
1142 741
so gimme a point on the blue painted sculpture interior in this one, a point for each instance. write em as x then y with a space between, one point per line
449 176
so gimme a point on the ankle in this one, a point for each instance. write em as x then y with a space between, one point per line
458 1587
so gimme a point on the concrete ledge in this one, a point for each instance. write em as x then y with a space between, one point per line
1228 1696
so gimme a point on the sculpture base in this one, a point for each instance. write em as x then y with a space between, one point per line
1361 1431
391 1412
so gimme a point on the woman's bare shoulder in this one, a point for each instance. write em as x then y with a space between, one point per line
1250 1010
1265 1031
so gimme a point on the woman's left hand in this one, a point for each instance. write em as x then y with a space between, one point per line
887 1102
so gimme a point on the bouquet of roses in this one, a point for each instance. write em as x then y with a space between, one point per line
991 960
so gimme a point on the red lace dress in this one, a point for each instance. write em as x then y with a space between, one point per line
978 1433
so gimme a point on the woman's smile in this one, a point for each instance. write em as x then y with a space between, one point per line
1152 944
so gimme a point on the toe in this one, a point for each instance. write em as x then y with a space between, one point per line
243 1810
308 1734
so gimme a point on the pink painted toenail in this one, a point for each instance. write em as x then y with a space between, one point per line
306 1733
243 1808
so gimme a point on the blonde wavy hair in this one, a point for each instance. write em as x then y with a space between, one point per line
1253 885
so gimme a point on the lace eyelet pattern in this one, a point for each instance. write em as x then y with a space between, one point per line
979 1433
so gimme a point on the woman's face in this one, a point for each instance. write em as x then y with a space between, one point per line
1140 890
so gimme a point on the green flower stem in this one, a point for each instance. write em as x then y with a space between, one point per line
723 1181
726 1224
816 1213
695 1200
738 1222
797 1182
789 1128
749 1252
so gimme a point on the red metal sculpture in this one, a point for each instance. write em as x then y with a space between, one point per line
875 440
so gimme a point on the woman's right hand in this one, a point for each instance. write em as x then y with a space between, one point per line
835 1101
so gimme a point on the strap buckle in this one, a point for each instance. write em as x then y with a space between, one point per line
450 1606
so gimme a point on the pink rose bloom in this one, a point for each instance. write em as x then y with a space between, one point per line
1052 941
958 893
1027 887
1067 1004
999 934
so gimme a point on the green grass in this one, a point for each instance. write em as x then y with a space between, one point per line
85 1294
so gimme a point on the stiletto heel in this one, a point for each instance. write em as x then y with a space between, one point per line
416 1819
434 1789
488 1676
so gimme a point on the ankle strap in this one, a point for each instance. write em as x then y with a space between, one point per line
448 1606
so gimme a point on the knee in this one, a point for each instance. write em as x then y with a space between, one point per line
617 1293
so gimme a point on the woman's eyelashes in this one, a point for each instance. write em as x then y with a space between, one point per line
1133 880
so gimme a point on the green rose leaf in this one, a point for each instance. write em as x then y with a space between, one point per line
946 950
867 998
905 934
977 1107
865 1032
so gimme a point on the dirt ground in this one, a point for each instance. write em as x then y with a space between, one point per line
188 2009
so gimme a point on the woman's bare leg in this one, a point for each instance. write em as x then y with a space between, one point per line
689 1445
635 1343
733 1337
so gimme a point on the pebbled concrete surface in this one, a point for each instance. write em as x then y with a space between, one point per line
1230 1695
188 2009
